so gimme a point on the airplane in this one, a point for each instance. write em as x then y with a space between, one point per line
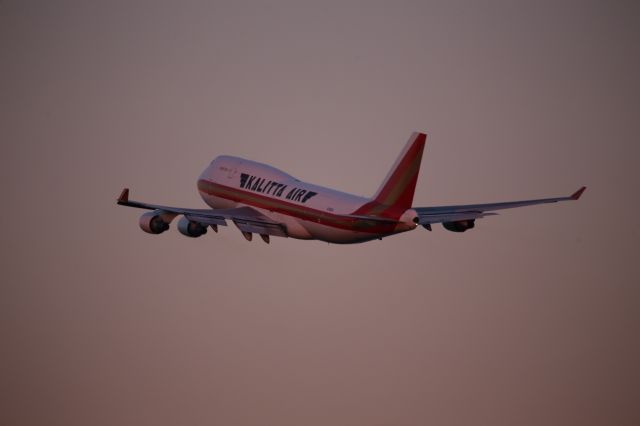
260 199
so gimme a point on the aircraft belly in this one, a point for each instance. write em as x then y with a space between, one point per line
295 227
335 235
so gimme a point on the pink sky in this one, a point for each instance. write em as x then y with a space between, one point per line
531 318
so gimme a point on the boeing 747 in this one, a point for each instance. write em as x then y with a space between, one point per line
260 199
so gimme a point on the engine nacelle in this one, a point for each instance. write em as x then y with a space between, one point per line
191 229
153 223
460 225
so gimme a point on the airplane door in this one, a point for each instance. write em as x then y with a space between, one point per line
233 171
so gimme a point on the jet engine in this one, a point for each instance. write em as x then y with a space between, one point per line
152 223
459 225
190 228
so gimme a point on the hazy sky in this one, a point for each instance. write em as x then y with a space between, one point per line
532 318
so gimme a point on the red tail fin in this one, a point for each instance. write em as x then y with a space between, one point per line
395 195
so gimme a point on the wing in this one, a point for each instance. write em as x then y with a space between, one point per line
246 219
445 214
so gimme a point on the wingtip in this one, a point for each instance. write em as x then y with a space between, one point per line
576 195
124 196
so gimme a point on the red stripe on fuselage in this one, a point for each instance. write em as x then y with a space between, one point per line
295 210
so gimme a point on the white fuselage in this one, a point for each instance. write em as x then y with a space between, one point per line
307 211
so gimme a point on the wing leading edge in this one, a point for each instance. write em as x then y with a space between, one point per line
444 214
